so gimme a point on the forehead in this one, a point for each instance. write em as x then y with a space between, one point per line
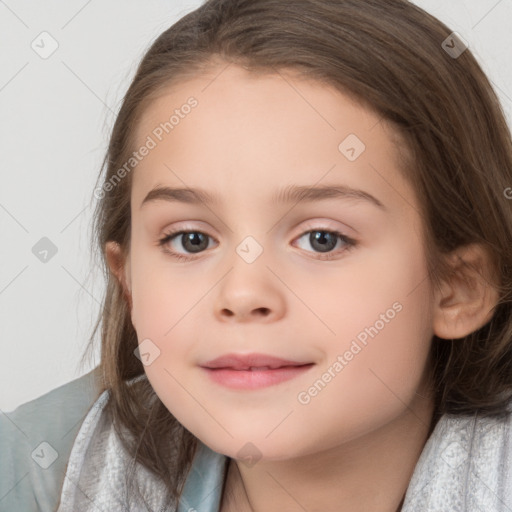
238 92
262 130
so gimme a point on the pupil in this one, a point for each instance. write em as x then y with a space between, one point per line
195 239
322 237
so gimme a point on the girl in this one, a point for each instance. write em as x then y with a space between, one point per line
306 225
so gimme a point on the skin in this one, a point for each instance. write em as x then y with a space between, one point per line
355 444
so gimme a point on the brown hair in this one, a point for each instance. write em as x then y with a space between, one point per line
388 54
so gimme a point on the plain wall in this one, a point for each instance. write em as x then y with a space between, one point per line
56 114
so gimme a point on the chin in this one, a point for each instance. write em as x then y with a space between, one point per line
251 449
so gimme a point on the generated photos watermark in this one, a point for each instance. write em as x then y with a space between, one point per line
342 360
151 142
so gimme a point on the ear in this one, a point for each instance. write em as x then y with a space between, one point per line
120 267
467 299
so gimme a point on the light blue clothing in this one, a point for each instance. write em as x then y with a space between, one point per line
465 466
54 418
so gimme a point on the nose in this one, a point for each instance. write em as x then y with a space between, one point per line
249 293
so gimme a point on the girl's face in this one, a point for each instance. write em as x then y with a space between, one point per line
264 270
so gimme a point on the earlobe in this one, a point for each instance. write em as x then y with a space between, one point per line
466 300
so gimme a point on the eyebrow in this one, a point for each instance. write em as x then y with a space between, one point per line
289 194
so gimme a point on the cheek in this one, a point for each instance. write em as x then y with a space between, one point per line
379 297
373 382
383 336
164 312
162 297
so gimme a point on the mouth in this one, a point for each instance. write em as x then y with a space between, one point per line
253 371
252 362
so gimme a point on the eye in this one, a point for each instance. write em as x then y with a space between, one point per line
192 241
324 241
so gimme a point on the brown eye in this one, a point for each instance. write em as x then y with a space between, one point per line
194 241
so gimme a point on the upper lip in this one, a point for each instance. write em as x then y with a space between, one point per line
246 361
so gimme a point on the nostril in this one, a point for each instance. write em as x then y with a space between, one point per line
264 312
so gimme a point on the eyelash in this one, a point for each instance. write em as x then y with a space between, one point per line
349 242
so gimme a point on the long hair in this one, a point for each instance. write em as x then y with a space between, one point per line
390 56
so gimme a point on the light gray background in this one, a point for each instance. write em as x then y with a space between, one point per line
56 116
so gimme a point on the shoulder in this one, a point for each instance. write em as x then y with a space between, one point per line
467 459
102 474
36 440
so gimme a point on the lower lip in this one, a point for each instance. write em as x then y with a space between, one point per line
254 379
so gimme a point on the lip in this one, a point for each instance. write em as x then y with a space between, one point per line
234 370
246 361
